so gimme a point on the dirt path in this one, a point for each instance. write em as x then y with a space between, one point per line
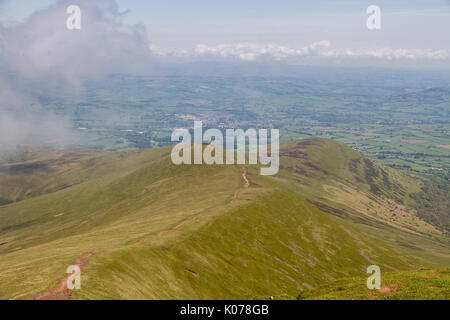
61 292
247 183
178 225
161 233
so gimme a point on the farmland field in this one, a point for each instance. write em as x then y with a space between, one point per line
403 122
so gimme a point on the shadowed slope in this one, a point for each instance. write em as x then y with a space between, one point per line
343 182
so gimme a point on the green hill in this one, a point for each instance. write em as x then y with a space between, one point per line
339 180
143 228
422 284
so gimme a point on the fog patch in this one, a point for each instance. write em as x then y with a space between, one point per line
43 47
40 53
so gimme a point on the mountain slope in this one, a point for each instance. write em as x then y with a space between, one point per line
424 284
278 243
342 181
165 231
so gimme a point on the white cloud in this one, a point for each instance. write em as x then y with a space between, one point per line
24 120
42 46
251 51
390 54
41 50
247 51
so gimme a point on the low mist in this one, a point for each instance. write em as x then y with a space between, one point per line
41 52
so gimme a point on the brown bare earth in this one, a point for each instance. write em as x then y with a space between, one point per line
247 183
61 292
392 288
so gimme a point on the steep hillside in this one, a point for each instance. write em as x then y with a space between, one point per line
327 160
141 227
339 180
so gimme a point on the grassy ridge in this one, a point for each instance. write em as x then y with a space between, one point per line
276 244
41 235
165 231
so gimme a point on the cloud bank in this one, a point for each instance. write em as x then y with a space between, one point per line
252 52
24 121
42 46
41 51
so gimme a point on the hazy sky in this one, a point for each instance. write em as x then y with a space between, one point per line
293 30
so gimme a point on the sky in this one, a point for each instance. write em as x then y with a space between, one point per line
413 32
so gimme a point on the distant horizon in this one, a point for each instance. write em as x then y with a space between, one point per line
412 34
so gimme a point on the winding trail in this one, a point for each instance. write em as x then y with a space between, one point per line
61 292
247 184
178 225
